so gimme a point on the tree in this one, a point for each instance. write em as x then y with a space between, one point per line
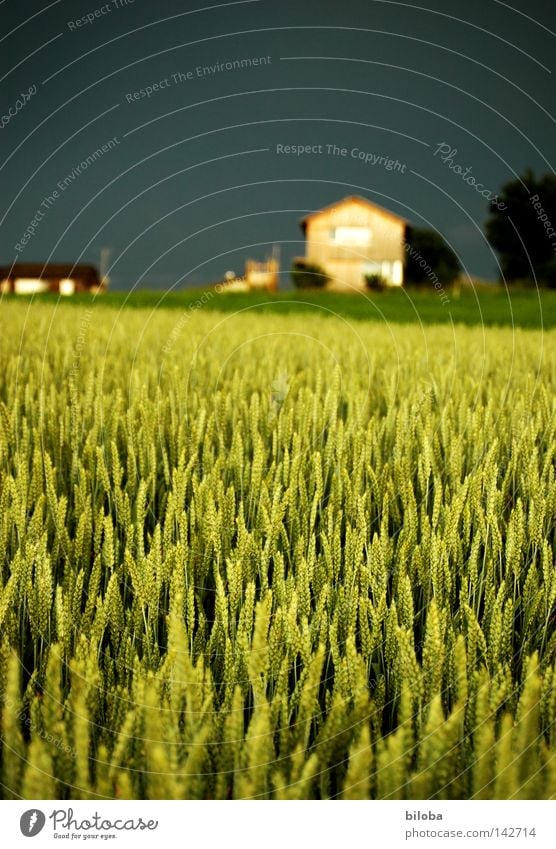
308 275
524 232
429 260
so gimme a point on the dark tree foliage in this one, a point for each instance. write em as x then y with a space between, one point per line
429 259
524 233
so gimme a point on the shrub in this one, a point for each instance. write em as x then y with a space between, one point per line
376 282
308 275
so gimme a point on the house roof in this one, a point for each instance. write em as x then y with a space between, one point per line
51 271
350 199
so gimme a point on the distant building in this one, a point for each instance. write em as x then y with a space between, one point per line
37 277
258 276
354 238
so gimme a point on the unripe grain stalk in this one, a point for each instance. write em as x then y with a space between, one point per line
203 596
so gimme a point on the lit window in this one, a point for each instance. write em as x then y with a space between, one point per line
67 287
351 235
30 285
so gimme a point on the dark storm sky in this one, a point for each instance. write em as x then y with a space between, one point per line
194 183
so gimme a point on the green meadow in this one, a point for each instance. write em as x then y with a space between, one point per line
489 306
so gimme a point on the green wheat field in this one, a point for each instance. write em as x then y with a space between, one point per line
275 556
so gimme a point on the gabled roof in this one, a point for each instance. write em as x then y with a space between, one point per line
50 271
351 199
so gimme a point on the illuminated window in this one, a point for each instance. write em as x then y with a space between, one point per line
397 276
30 285
351 235
67 287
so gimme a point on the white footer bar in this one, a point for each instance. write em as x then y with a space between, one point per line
280 825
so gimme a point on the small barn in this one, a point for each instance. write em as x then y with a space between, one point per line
59 278
355 238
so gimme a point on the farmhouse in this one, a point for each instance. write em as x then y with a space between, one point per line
352 239
37 277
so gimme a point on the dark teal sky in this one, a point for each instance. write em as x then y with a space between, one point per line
193 184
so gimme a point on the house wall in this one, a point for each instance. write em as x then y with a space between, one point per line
39 285
347 264
262 275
